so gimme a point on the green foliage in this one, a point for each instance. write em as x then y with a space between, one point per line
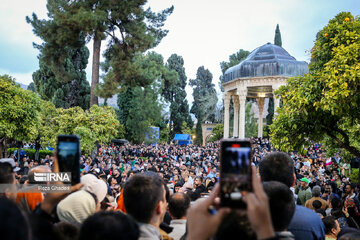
218 132
205 97
138 110
354 176
140 107
19 111
251 126
31 152
130 28
31 87
67 87
186 129
323 105
199 136
98 124
174 92
277 38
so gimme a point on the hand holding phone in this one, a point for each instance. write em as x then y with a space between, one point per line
235 173
68 155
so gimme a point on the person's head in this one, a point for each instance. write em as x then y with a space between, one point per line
37 169
316 204
13 224
316 191
145 198
304 182
332 227
78 206
349 189
197 181
178 205
235 224
277 166
66 231
109 225
335 202
328 188
7 176
281 203
349 234
177 187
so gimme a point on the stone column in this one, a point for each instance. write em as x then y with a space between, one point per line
226 114
242 101
260 102
235 99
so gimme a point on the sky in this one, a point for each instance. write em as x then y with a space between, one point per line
203 32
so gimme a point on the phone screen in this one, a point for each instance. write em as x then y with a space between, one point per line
69 156
235 174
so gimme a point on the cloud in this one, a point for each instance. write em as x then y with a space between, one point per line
24 78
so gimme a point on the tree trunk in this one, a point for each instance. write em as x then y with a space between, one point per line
95 70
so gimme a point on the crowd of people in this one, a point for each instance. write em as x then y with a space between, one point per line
170 192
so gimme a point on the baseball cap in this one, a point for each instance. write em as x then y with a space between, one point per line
305 180
11 162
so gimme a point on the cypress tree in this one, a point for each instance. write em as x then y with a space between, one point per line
277 39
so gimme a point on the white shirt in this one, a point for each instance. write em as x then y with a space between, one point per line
179 226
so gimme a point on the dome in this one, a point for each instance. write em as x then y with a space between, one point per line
267 60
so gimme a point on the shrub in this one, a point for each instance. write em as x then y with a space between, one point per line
31 152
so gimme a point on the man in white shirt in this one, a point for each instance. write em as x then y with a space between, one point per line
178 205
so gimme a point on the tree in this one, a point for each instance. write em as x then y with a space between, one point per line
251 126
97 124
234 59
205 100
277 38
31 87
218 132
174 92
129 28
138 110
75 89
140 107
323 104
19 113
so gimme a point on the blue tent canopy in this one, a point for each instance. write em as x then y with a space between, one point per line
182 139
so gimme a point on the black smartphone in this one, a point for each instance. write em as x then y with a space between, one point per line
235 172
68 154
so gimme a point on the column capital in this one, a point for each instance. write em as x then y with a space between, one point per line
242 92
235 99
227 98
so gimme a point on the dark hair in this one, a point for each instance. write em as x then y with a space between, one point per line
67 231
321 211
282 204
350 234
109 225
11 219
329 223
335 202
178 205
316 204
109 180
6 173
142 192
337 213
277 166
235 224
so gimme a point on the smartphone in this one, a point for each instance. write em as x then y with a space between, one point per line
68 154
235 172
